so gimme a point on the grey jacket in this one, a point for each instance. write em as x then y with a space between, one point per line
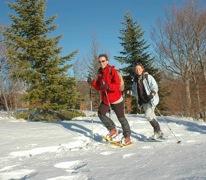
150 84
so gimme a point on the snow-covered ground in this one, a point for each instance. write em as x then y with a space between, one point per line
73 150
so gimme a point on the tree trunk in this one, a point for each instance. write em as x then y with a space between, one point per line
198 97
204 73
188 97
5 102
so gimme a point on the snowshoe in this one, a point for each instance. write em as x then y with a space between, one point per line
112 141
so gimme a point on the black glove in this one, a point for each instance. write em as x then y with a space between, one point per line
104 87
89 79
151 95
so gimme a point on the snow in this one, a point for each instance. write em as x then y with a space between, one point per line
73 150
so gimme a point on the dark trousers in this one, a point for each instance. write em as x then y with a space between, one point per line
119 111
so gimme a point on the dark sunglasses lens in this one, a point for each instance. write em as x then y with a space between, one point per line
101 62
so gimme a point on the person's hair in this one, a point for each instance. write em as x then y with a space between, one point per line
139 64
103 55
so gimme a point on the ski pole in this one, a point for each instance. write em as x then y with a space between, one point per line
110 108
178 140
90 96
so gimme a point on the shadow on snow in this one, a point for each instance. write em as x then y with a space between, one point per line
191 126
87 132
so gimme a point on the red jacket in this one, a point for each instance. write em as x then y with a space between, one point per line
109 76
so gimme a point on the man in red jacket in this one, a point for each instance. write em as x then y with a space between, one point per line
108 84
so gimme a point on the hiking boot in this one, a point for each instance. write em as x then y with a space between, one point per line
157 135
127 141
112 134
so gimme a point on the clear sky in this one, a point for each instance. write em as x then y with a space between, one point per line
81 20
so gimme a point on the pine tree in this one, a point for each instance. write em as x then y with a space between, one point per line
134 51
34 58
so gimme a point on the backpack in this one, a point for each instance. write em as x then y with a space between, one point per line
120 77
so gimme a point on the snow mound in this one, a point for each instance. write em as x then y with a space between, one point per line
70 165
72 177
17 174
72 146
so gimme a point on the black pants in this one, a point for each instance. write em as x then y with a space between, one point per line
119 111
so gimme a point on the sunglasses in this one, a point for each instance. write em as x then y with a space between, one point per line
102 61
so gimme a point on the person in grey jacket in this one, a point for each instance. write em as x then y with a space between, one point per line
145 89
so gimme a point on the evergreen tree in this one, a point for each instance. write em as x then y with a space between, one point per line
134 51
34 58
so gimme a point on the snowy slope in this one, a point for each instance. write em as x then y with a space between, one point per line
73 150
